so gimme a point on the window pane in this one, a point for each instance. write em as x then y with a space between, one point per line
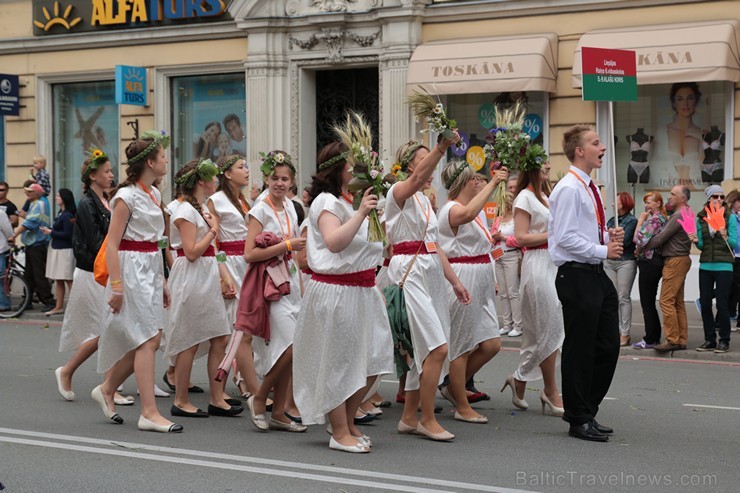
209 117
84 115
674 134
2 148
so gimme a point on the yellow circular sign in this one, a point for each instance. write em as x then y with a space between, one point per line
476 157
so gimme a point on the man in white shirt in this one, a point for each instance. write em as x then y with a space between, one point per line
578 244
7 238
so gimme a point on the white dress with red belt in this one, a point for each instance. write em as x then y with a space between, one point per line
343 334
470 258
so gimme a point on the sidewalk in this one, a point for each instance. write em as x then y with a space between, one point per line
696 339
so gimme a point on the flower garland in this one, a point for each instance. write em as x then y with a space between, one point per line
401 168
158 139
228 163
273 159
97 157
205 170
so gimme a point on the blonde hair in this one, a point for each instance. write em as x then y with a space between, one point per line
38 158
507 207
572 138
462 179
656 196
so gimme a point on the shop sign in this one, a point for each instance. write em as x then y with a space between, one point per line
609 75
130 85
65 16
476 157
532 125
462 149
9 95
487 115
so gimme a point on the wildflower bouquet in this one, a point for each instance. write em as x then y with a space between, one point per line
367 170
433 114
510 146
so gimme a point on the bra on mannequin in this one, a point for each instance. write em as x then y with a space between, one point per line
634 146
715 145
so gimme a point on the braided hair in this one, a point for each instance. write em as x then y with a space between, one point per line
224 185
188 194
135 169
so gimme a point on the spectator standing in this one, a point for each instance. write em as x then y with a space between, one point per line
733 203
7 206
36 245
715 271
508 268
6 238
623 270
676 247
60 260
650 263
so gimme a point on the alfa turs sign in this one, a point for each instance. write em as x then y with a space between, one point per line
71 16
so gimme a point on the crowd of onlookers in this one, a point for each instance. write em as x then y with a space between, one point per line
656 248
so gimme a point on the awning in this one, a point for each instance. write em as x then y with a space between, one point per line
696 51
475 65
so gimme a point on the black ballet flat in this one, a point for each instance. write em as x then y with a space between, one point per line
198 413
295 419
191 390
217 411
167 382
195 390
233 402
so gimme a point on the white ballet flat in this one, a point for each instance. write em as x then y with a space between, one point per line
146 425
358 448
259 420
477 419
362 439
157 392
292 426
68 395
124 400
97 396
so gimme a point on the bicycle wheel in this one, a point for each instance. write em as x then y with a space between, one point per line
16 289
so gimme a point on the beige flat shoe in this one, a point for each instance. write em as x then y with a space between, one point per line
478 419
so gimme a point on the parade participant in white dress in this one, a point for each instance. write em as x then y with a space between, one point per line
86 307
273 359
542 315
465 239
343 341
197 313
230 207
412 227
132 331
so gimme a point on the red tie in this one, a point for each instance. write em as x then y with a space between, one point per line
600 208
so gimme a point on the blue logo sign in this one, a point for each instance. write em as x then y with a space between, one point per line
130 85
532 125
9 99
464 144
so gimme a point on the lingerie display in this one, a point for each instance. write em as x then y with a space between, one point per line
713 144
638 170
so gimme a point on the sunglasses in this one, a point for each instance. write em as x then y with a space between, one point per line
720 197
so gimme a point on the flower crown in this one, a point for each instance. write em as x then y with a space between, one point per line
205 170
97 157
273 159
334 160
157 138
400 168
228 163
456 174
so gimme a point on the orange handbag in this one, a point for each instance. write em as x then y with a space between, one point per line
100 267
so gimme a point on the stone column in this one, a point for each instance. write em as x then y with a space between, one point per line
397 125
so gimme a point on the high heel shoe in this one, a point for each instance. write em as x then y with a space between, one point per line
555 410
146 425
97 396
518 403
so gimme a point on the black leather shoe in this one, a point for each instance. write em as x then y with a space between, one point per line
605 430
586 431
167 382
217 411
176 411
233 402
191 390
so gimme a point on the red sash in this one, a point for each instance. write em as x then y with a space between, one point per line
232 248
477 259
362 279
210 252
138 246
410 248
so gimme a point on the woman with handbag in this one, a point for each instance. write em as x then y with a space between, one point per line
343 340
465 239
198 317
86 306
650 265
421 266
131 334
273 358
60 260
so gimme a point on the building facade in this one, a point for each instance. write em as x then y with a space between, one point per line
251 76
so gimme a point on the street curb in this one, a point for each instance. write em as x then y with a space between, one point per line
686 354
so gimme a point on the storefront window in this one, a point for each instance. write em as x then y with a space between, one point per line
209 117
2 148
476 113
84 115
675 134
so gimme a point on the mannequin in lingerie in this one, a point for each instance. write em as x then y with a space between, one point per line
639 168
713 143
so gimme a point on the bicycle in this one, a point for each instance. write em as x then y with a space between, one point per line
15 286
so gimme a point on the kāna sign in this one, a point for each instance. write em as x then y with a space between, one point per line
609 75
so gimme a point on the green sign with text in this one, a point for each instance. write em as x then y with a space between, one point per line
609 75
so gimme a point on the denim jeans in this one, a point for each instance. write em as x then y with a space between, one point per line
4 300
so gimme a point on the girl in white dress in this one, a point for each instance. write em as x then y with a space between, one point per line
132 331
273 359
412 227
343 341
542 315
198 315
465 239
230 208
86 307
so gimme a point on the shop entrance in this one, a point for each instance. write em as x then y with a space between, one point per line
338 91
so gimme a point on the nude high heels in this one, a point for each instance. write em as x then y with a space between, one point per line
518 403
555 410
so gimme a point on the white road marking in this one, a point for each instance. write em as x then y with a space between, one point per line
713 407
254 460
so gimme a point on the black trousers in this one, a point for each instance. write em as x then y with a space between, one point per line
591 346
715 284
735 293
647 282
35 272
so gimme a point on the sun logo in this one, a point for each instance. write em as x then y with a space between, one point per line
62 20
